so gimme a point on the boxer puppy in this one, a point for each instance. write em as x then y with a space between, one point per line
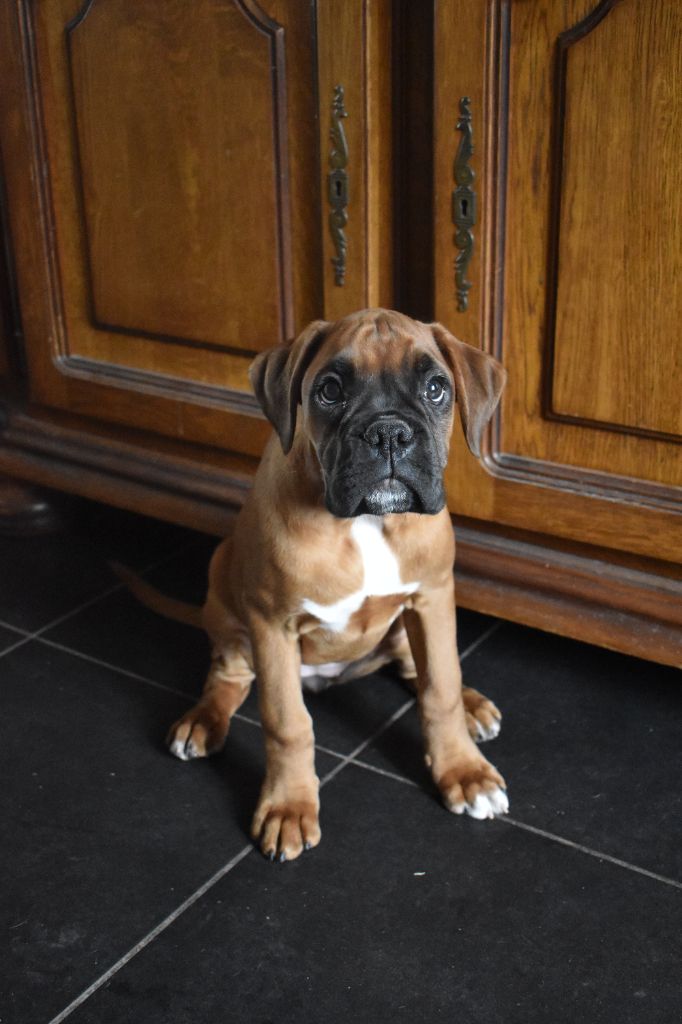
342 559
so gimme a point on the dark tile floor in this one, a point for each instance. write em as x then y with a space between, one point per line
131 892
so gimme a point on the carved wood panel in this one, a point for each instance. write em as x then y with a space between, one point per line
180 123
614 311
167 220
583 446
599 346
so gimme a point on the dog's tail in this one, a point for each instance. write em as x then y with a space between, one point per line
180 611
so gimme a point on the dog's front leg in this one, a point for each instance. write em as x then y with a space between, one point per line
466 780
287 817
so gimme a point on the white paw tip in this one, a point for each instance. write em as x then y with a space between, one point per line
499 801
177 748
487 732
481 807
486 805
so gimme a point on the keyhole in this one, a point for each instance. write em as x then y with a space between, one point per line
338 188
465 205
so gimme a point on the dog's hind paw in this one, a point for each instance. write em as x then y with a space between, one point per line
198 733
483 718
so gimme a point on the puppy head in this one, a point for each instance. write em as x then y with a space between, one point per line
377 392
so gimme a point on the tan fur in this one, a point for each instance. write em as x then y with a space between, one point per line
287 548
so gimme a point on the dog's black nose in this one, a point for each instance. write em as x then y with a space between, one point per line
390 435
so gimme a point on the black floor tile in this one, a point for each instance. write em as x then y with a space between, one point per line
43 577
407 913
46 576
123 632
104 833
590 743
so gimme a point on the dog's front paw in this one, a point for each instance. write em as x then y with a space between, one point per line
200 732
475 788
285 828
483 718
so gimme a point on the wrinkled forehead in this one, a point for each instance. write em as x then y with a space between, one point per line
377 342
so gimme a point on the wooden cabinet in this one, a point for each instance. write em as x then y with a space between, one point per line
170 209
167 196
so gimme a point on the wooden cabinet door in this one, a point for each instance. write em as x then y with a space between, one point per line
576 112
166 171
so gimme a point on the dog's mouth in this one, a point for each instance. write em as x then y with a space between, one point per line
388 497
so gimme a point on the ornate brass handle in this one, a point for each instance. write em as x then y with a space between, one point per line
464 204
338 185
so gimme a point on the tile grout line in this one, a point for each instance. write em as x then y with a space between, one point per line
13 629
514 823
386 774
475 644
214 879
37 634
370 739
115 668
24 637
150 936
13 647
543 833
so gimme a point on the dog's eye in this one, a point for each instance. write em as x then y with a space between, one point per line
435 390
330 392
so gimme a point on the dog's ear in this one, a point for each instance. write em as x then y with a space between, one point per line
479 380
276 377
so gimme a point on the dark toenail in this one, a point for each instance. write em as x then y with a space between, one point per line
307 845
282 858
271 856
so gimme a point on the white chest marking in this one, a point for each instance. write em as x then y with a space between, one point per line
381 576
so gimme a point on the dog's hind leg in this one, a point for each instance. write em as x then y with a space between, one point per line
483 718
203 730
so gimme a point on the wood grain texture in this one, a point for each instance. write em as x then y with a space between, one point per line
10 349
183 190
354 50
5 327
573 481
617 356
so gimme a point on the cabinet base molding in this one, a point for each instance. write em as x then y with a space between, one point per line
634 607
616 601
180 483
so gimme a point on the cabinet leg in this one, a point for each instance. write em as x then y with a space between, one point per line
27 510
